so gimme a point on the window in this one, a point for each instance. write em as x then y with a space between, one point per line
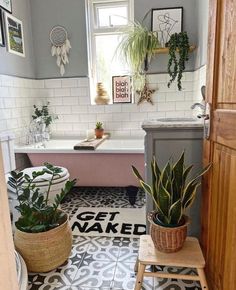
105 20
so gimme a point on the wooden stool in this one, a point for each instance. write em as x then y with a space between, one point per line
190 256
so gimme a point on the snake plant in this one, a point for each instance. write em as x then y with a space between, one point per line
171 189
137 47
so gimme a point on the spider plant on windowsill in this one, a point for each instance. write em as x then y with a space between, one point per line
137 47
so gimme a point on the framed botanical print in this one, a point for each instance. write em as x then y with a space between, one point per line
2 43
7 5
167 21
122 89
15 35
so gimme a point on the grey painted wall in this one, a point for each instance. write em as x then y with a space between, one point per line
44 14
141 7
11 64
70 14
202 24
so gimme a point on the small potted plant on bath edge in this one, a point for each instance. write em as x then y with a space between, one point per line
43 236
99 131
173 193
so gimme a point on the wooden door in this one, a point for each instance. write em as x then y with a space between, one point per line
219 187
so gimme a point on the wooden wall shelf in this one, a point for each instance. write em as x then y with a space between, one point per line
165 50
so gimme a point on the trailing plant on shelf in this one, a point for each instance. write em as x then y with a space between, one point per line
44 114
179 47
137 47
173 193
37 215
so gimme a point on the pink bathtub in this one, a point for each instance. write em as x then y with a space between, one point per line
109 165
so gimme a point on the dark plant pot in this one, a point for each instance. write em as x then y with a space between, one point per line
167 239
158 221
99 133
132 192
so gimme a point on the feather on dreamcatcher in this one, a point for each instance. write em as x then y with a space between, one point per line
60 47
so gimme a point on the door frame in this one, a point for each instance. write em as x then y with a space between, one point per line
8 274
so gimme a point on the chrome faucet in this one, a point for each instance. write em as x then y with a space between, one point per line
202 106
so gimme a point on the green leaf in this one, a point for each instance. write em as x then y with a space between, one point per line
136 173
188 192
35 196
175 212
164 199
186 173
190 196
38 229
146 187
155 177
178 170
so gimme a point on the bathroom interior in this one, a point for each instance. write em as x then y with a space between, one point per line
118 146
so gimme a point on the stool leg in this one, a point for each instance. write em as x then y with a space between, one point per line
139 279
202 277
136 266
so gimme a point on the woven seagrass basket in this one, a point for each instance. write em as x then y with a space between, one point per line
165 239
44 251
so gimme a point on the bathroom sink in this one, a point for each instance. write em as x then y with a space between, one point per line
169 120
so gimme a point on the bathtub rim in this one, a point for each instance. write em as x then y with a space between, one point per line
39 149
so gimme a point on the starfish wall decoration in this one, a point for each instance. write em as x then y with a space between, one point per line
145 94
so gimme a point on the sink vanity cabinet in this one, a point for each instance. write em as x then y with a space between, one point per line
168 140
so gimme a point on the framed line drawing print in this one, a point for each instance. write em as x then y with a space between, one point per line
121 89
166 21
7 5
15 35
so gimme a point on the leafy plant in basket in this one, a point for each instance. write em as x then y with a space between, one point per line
178 55
41 225
36 214
172 193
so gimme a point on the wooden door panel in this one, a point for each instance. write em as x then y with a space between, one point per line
221 262
227 51
224 127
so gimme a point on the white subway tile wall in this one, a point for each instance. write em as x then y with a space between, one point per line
70 100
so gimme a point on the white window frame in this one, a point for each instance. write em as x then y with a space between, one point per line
93 30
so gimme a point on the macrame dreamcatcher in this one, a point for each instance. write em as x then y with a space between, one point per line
60 46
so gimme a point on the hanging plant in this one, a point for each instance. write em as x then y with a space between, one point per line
178 55
137 47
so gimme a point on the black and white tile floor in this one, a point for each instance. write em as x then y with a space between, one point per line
102 263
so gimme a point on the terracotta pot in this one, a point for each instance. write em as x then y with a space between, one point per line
45 251
99 133
167 239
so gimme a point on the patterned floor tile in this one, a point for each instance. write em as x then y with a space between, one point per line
52 287
101 197
102 249
98 274
129 250
125 278
62 276
173 284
